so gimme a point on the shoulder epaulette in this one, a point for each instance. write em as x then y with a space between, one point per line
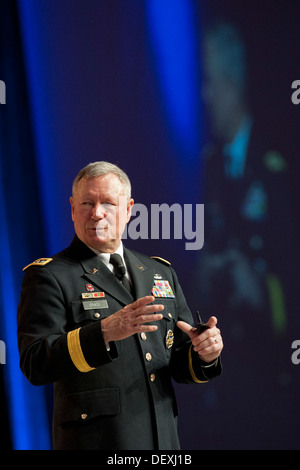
161 260
39 262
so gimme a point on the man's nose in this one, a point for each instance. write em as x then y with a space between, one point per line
99 212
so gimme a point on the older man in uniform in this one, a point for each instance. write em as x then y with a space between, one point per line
110 331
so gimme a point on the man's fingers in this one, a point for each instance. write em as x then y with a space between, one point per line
209 343
147 318
132 319
140 302
191 331
212 322
140 308
141 311
148 313
186 328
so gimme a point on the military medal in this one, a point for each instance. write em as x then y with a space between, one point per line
169 339
89 288
162 289
92 295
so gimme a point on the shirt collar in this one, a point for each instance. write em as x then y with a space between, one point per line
106 256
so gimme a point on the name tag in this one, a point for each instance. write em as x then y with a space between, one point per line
94 304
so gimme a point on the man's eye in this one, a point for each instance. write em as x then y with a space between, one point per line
86 203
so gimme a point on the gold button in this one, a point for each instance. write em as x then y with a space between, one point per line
83 416
143 336
97 315
152 377
170 315
148 356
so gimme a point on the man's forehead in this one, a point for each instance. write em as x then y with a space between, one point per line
107 182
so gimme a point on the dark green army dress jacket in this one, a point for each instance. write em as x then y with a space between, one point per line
121 398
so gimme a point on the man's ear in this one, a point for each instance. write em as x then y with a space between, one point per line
129 208
72 207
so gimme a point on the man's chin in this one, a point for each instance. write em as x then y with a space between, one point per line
103 242
104 236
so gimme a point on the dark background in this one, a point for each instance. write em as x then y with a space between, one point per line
120 81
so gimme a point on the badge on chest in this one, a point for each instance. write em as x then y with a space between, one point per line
93 303
92 295
162 288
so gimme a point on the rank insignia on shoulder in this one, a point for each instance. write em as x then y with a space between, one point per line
162 260
162 289
39 262
169 339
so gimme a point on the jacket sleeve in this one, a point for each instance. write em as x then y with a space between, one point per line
50 347
186 366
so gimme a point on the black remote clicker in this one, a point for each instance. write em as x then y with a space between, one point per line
200 326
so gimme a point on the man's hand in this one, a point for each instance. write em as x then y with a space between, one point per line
209 343
131 319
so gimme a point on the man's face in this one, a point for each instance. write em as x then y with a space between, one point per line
100 212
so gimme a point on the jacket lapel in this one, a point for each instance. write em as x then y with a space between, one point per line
141 275
98 274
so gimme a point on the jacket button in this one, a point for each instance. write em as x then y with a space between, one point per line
143 336
97 315
170 315
83 416
152 377
148 356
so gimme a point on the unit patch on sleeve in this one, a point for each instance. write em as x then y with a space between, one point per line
162 288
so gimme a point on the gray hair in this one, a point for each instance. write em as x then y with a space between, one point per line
93 170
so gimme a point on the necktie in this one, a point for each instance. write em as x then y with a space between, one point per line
120 270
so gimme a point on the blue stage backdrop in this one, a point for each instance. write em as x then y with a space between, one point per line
123 81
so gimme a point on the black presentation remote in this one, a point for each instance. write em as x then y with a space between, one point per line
200 326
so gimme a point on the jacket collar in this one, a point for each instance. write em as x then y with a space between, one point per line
98 274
